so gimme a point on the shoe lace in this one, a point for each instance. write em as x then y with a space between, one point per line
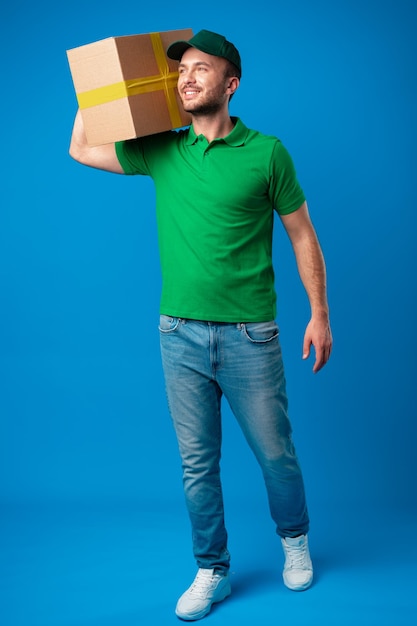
296 556
202 582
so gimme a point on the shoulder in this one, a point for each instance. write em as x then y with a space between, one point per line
258 139
159 140
138 155
266 148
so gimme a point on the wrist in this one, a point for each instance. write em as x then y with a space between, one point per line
320 313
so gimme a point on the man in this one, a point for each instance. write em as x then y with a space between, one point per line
218 184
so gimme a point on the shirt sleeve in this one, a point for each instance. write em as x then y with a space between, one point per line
131 157
285 191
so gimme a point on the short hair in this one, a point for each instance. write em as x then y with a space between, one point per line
232 70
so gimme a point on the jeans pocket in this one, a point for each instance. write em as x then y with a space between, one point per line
260 332
168 324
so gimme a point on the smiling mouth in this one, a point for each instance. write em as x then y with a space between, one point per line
189 93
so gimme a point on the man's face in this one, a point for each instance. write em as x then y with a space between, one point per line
202 83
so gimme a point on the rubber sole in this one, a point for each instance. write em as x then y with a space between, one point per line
189 617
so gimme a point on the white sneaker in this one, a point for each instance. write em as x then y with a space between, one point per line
298 568
207 588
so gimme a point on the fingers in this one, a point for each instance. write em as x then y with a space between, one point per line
319 362
322 342
306 347
322 356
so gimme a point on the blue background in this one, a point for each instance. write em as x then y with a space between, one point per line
83 419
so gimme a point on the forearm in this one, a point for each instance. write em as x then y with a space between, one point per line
312 270
101 157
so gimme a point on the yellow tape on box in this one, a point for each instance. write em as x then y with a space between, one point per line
166 80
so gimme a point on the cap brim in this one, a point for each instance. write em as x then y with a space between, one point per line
177 49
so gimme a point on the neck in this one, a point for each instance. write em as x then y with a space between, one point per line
212 127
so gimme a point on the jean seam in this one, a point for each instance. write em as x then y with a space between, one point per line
166 331
259 341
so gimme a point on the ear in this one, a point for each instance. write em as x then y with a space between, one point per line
232 85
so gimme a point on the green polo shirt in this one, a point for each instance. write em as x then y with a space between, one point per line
215 207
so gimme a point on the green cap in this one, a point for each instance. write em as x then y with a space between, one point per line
208 42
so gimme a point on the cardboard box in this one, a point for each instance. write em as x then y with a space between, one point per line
126 86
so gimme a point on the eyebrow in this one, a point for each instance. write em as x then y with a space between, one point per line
195 64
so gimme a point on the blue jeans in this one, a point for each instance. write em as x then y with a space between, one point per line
203 361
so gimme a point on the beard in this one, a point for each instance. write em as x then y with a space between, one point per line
210 105
202 108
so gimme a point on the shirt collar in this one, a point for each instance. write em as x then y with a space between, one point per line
235 138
